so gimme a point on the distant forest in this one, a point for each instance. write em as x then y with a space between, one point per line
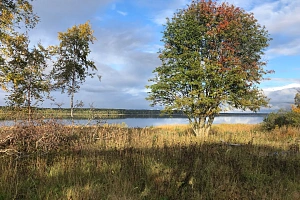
96 113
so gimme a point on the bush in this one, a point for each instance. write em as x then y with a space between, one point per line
280 119
26 138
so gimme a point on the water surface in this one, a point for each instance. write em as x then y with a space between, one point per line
146 122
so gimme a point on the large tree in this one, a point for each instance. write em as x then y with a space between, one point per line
72 65
22 74
211 61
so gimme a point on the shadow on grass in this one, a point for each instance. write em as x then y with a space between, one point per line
196 171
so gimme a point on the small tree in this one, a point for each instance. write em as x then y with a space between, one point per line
297 99
210 62
23 73
72 65
296 107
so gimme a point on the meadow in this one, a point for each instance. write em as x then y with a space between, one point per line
54 161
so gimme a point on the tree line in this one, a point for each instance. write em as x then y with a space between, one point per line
23 64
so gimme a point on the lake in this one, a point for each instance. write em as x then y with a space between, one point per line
144 122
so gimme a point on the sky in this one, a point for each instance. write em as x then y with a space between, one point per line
128 36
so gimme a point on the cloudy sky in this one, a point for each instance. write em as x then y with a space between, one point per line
128 36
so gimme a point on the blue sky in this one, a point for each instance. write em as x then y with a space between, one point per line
128 36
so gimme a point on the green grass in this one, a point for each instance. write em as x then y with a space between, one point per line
105 162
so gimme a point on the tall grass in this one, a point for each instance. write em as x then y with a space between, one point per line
166 162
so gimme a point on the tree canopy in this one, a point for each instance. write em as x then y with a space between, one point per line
15 13
296 107
72 65
21 67
211 61
23 73
297 99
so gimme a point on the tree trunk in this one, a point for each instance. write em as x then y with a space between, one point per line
202 126
201 132
72 97
29 104
72 104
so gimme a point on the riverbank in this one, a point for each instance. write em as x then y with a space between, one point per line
165 162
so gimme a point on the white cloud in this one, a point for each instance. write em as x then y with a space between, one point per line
279 16
282 19
287 48
289 86
246 5
281 97
122 13
161 16
164 9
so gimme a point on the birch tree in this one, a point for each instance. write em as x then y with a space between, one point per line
72 65
22 74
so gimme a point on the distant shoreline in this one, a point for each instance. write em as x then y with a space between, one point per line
101 113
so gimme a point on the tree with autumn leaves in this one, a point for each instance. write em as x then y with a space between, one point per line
296 107
23 68
72 64
14 13
211 61
23 73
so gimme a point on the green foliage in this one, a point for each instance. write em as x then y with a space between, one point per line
72 65
23 72
211 60
297 99
281 119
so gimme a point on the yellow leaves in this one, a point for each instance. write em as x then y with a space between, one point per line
13 13
296 109
4 88
52 49
26 7
80 32
6 16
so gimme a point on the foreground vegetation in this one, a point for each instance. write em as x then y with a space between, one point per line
52 161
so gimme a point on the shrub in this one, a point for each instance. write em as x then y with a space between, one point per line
280 119
38 136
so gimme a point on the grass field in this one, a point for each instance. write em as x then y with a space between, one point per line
167 162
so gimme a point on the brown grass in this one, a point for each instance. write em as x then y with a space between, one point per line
165 162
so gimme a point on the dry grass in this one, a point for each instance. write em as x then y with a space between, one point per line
165 162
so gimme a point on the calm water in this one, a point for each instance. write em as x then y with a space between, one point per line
143 122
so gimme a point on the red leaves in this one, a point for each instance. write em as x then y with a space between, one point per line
214 57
